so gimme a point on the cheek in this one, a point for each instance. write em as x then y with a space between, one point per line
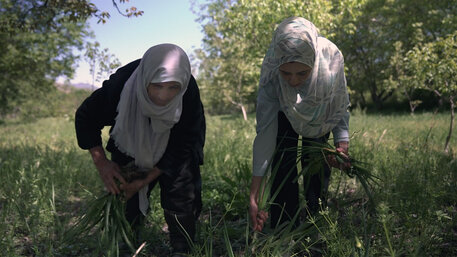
151 93
173 93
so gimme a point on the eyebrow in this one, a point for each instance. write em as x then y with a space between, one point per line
303 71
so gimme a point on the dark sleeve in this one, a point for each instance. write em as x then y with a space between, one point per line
187 137
100 108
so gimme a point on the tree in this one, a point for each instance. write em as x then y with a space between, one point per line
37 38
434 66
33 56
441 72
101 62
368 33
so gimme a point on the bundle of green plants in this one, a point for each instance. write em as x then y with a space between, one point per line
315 154
104 218
305 235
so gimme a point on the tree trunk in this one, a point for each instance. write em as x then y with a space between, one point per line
375 97
412 107
451 126
243 110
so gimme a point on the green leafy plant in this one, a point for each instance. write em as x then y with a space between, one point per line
107 215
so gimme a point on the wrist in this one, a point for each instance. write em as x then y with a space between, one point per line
98 155
342 144
253 198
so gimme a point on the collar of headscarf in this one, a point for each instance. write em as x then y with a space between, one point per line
315 107
142 128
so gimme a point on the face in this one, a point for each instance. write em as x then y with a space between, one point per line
162 93
295 73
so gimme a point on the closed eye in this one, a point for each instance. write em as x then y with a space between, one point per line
285 73
304 73
157 85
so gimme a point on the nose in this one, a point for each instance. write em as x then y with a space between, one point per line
294 81
163 96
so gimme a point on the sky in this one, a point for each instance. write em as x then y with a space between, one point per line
163 21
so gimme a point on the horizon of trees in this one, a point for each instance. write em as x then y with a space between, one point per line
38 38
396 51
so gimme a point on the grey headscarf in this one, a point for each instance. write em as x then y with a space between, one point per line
315 107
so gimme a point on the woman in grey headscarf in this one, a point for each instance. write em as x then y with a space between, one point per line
157 129
302 92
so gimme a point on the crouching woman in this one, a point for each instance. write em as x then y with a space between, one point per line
157 125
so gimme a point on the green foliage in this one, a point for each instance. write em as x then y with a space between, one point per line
48 180
237 35
59 101
35 53
431 66
38 39
373 35
101 62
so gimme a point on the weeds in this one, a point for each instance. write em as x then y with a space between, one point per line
46 179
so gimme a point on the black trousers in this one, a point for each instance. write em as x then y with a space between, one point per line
286 203
180 194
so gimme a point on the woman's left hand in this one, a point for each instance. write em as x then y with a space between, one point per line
343 148
132 188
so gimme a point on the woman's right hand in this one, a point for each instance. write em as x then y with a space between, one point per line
258 217
108 170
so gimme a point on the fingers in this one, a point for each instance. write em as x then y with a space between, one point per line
331 160
343 152
263 215
111 185
340 161
261 219
108 172
120 178
345 155
258 219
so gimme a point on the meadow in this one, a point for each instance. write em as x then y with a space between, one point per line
46 181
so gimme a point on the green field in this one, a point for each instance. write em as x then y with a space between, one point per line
46 181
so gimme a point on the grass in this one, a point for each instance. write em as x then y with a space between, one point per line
47 180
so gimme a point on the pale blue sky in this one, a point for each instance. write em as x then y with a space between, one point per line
163 21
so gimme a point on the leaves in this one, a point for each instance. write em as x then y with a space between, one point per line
237 35
373 35
101 62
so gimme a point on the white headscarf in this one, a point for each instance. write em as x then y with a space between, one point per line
315 107
142 128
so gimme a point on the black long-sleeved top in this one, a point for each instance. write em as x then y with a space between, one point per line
187 137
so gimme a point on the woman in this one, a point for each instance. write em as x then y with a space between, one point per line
302 91
158 127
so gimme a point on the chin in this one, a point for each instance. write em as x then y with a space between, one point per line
161 104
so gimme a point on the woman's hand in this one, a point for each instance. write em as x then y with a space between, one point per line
258 218
132 188
342 148
108 170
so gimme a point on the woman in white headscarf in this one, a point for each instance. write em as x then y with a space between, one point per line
157 128
302 92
